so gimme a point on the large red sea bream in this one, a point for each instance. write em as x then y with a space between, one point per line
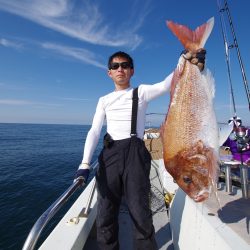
190 133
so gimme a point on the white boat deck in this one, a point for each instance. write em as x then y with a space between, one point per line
204 226
234 212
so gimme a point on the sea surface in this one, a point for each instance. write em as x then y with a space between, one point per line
37 163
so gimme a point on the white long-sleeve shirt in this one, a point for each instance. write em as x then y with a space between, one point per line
116 107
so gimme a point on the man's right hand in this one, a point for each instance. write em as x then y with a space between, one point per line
82 173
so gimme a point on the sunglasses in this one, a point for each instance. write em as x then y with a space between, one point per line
116 65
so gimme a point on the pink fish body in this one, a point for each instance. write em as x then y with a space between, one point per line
190 133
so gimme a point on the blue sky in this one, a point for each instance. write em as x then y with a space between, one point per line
54 54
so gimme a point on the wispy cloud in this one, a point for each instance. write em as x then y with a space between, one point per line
79 54
83 55
19 102
84 20
74 99
14 102
7 43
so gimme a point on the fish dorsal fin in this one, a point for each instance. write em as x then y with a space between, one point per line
192 40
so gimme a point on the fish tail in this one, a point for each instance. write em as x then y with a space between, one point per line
192 40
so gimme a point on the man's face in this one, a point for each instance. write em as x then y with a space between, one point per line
121 75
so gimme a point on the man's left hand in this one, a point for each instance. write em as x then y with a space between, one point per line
198 57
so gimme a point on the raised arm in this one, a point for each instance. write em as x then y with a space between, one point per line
150 92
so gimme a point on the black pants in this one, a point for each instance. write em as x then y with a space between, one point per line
124 169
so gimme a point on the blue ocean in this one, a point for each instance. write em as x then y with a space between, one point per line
37 163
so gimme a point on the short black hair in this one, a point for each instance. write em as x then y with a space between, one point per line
123 55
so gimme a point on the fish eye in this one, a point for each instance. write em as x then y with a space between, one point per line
187 179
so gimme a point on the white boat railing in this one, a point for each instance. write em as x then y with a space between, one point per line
42 221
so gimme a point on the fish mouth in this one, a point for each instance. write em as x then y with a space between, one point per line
202 196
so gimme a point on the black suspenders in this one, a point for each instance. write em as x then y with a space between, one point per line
134 112
107 140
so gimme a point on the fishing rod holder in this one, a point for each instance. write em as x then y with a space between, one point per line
244 181
243 178
242 140
228 179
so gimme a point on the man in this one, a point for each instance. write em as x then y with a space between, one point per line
124 162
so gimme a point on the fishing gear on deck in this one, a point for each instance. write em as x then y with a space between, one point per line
242 138
240 134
